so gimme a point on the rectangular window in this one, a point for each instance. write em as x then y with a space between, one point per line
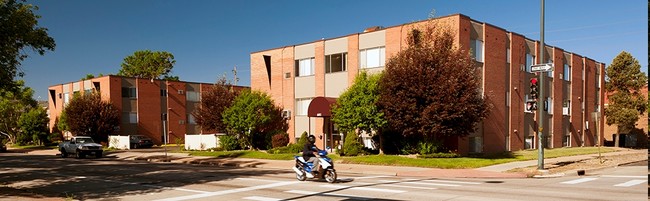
190 119
372 58
530 60
163 92
302 104
550 73
336 62
66 99
193 96
477 50
305 67
549 103
129 92
130 117
508 55
565 107
567 72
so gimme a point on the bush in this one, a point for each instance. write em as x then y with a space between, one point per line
428 147
352 146
280 140
439 155
291 148
228 142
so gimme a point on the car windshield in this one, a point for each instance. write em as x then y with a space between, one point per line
84 140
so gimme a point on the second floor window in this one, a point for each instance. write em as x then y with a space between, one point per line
305 67
477 50
530 60
372 58
567 72
336 62
193 96
129 92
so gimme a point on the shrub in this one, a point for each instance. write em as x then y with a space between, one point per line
291 148
428 147
228 142
352 146
439 155
280 140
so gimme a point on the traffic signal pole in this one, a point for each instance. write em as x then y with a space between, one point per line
540 110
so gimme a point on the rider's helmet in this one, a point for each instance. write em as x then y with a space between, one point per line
311 139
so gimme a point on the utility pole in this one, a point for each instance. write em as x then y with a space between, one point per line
540 110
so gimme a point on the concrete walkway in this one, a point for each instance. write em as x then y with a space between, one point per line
494 171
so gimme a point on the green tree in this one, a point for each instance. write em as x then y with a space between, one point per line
430 88
357 107
352 146
213 102
88 115
19 31
13 103
251 116
623 81
148 64
33 126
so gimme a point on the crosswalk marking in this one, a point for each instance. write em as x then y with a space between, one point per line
444 181
258 198
577 181
363 188
395 185
624 176
224 192
420 183
631 183
327 194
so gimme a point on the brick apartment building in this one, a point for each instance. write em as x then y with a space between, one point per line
321 70
150 108
642 124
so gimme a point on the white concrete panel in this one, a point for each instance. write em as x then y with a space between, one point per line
304 51
336 84
372 39
338 45
305 87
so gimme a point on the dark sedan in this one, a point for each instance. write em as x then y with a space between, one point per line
140 141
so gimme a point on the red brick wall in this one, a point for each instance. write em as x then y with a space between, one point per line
149 112
517 91
495 125
590 98
176 112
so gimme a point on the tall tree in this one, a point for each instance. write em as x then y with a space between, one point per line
213 102
88 115
13 103
357 107
33 126
253 115
19 30
430 89
148 64
623 82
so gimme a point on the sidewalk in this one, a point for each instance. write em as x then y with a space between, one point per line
494 171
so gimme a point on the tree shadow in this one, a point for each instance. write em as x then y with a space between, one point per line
502 155
38 176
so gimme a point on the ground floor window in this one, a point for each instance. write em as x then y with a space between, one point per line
475 144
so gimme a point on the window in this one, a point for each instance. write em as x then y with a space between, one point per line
336 62
190 119
372 58
508 55
129 92
163 92
193 96
477 50
305 67
302 104
66 99
565 107
530 59
550 73
130 117
549 105
567 72
475 144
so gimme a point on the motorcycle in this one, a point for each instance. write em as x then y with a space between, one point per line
325 170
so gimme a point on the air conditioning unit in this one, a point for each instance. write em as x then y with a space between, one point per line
286 114
181 122
181 92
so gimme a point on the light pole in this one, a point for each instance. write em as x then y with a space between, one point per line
540 110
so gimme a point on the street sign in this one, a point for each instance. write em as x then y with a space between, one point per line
541 67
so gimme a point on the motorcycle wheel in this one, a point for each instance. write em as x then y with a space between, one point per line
330 176
302 177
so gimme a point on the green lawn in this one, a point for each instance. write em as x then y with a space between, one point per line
394 160
34 147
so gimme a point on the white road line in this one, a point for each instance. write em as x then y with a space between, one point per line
253 179
420 183
188 190
363 188
577 181
370 177
258 198
327 194
395 185
624 176
632 183
445 181
237 190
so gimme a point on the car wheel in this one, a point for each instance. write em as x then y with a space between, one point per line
80 154
63 153
135 146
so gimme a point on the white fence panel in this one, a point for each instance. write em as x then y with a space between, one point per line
202 141
118 142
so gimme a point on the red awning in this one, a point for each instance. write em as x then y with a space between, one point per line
321 107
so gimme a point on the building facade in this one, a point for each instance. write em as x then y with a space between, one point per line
296 74
149 107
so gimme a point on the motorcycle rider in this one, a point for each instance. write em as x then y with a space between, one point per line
309 152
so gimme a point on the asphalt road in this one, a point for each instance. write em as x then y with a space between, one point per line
38 177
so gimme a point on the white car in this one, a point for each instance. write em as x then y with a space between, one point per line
81 146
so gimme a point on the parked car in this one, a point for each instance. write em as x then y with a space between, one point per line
3 147
140 141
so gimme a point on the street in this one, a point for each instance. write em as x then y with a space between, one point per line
29 176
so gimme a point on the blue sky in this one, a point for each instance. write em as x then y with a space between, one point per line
209 38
